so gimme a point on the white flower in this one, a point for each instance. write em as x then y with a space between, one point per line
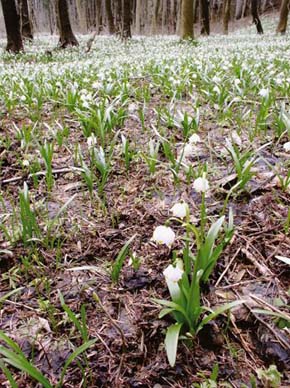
91 140
163 235
201 184
194 139
217 89
286 146
173 274
188 150
25 163
236 138
179 210
264 93
216 79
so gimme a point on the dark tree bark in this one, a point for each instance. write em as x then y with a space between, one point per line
26 24
284 11
256 19
67 37
126 19
12 25
226 15
204 17
110 17
186 22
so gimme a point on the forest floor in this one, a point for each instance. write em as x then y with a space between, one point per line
70 201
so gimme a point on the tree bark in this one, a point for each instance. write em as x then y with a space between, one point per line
138 17
67 37
12 25
186 22
204 17
239 9
26 24
110 17
154 17
256 19
226 15
284 11
126 19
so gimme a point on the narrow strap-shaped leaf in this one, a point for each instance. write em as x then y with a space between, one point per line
171 342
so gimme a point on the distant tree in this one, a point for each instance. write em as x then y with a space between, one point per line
186 21
12 25
256 19
67 37
204 17
138 17
25 20
126 19
226 15
154 17
284 11
110 18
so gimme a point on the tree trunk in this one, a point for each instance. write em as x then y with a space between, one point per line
138 17
126 19
154 17
110 17
204 17
12 25
239 9
81 13
26 24
284 10
98 15
186 22
256 19
67 37
226 15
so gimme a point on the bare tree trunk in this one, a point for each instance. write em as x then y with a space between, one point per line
187 19
284 11
239 9
110 18
126 19
256 19
12 25
154 17
98 15
204 17
138 17
67 37
26 24
81 13
226 15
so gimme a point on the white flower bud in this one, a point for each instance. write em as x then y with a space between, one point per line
201 184
179 210
163 235
286 146
173 274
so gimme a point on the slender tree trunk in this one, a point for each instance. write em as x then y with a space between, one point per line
138 17
110 17
204 17
67 37
81 13
284 11
26 24
239 9
12 25
186 21
154 17
98 15
126 19
226 15
256 19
